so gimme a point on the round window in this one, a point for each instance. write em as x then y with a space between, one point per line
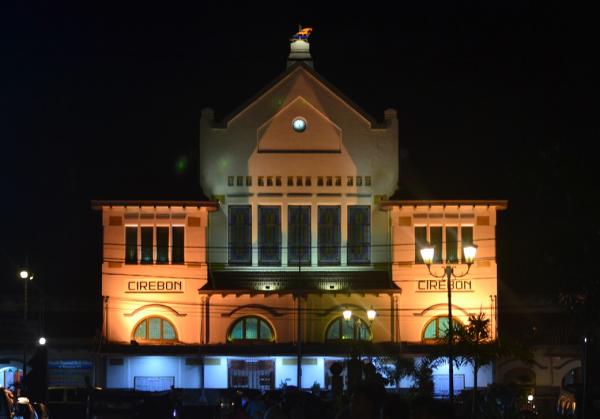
299 124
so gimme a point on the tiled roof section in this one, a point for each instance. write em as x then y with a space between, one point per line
294 280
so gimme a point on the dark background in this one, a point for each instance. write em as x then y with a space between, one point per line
495 101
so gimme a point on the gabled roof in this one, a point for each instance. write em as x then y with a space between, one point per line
300 66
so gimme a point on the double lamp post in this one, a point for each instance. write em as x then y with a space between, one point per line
448 272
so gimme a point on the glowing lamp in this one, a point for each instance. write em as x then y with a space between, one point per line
530 398
347 314
42 341
371 314
427 254
469 252
24 274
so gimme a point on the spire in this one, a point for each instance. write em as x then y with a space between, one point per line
300 47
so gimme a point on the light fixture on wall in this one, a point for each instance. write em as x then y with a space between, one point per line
371 314
448 272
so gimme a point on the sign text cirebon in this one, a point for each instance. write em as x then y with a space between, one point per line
154 286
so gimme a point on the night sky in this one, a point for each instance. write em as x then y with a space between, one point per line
103 102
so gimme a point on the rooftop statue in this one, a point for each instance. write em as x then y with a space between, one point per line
302 34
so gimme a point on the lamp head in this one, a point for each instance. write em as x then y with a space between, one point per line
42 341
427 254
347 314
371 314
470 251
24 274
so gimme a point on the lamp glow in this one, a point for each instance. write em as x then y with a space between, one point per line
42 341
427 254
347 314
469 251
530 398
24 274
371 314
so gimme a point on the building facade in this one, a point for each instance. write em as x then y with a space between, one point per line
300 258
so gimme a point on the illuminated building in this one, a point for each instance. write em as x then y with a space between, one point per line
248 288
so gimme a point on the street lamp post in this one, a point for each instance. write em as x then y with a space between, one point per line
25 276
427 253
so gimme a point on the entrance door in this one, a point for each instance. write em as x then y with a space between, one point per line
255 374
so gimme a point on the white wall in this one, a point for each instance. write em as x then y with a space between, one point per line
313 373
122 376
215 372
286 373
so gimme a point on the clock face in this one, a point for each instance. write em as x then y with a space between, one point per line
299 124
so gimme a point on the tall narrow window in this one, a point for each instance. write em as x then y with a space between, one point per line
177 251
240 235
147 243
329 233
299 240
162 244
131 248
420 242
435 238
269 235
451 244
359 234
466 237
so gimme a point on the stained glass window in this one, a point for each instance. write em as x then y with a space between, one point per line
240 235
299 235
168 331
353 329
140 332
359 234
329 233
155 329
251 328
269 235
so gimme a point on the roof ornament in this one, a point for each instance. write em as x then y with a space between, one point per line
299 47
302 34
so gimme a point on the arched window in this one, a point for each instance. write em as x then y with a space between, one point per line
353 329
155 330
437 328
251 328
